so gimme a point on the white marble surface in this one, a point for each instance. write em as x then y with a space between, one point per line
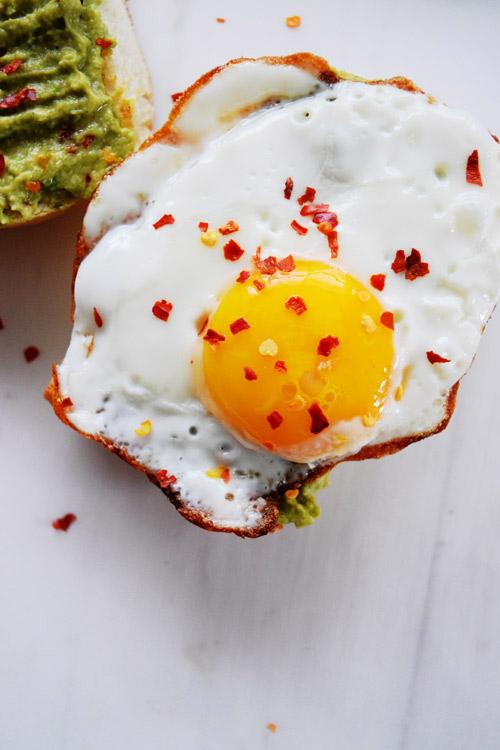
376 629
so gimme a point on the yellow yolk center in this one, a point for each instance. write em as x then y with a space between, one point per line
301 358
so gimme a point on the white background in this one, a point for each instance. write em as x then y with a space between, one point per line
376 629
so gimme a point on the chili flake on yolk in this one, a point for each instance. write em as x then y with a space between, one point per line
333 386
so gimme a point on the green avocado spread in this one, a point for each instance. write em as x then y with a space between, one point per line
303 509
59 131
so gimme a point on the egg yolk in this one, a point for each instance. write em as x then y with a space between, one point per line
290 359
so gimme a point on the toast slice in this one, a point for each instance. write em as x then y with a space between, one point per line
75 97
205 112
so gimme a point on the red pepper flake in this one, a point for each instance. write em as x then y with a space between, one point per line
250 374
165 479
280 366
286 264
14 100
328 216
66 403
377 280
162 309
433 358
415 267
314 208
259 285
87 140
399 262
296 304
33 186
229 228
174 97
387 320
288 188
325 227
239 325
225 475
213 338
203 226
232 251
308 197
298 227
495 138
63 523
244 276
221 20
266 266
11 67
412 265
165 219
2 164
88 179
97 318
472 173
326 345
333 243
31 353
319 420
274 419
1 325
103 43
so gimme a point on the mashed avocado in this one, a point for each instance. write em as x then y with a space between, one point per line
59 132
303 509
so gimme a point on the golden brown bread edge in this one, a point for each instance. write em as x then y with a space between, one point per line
169 134
128 85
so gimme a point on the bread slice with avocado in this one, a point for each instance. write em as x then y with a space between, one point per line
71 104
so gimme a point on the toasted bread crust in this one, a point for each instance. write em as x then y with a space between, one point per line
44 214
269 516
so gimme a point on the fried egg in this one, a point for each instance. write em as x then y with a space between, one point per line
297 268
